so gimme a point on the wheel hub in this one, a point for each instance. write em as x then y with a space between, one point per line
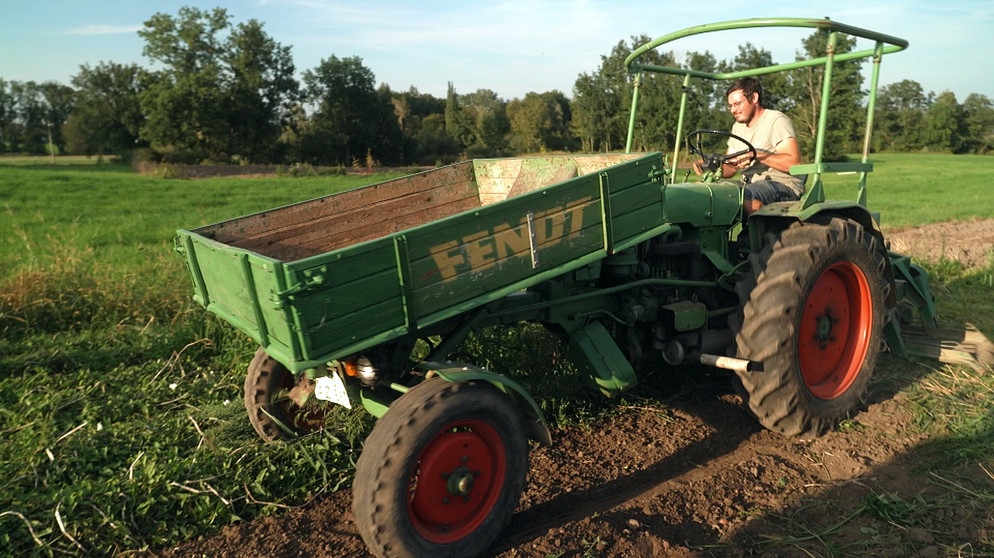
460 482
824 325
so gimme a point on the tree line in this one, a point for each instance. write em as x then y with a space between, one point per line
228 93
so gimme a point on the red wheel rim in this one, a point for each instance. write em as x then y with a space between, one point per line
835 330
457 481
309 418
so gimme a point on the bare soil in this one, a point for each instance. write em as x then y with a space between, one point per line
682 470
968 242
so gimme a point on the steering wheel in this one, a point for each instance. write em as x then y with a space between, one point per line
712 162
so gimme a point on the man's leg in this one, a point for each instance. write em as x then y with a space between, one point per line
758 194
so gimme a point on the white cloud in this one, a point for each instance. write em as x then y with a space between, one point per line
98 29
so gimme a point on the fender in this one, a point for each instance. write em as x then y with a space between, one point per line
450 371
777 217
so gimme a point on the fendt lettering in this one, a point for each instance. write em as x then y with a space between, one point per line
497 245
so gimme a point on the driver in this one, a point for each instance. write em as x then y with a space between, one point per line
767 178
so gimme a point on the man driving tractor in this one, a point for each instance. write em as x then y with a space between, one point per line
766 175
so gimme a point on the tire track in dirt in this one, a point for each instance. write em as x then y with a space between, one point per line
691 442
648 480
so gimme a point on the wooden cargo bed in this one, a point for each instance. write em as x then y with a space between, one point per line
320 279
336 221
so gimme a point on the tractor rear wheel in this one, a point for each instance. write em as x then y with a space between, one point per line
271 411
812 314
441 472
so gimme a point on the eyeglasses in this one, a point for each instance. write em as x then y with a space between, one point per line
737 104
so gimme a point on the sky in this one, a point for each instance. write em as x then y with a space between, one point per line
511 47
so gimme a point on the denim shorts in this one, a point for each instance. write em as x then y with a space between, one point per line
769 191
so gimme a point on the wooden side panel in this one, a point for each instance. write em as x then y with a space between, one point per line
636 203
357 269
347 218
476 254
500 179
358 297
495 178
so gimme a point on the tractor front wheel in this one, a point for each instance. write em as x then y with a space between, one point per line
812 313
442 471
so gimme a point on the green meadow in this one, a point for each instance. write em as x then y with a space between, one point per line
910 189
120 400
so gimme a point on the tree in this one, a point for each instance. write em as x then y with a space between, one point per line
844 128
29 131
295 129
434 144
540 122
603 101
418 106
659 102
900 114
352 120
57 100
261 92
659 112
485 116
558 136
457 125
945 129
421 119
388 142
184 103
107 116
495 128
978 117
8 113
776 86
223 92
600 101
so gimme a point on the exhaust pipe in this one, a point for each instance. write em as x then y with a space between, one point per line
731 363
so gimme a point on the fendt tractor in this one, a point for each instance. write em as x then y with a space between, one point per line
361 298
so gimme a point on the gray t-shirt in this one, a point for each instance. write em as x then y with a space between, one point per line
772 128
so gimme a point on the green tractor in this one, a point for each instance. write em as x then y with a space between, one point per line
818 289
362 298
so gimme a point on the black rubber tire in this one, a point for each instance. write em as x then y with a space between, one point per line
425 432
272 414
828 273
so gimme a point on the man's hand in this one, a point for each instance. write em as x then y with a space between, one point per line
741 162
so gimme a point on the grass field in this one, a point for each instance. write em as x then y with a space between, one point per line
916 189
120 403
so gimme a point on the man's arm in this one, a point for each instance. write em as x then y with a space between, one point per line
786 155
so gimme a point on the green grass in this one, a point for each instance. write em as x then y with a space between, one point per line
122 217
120 399
916 189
